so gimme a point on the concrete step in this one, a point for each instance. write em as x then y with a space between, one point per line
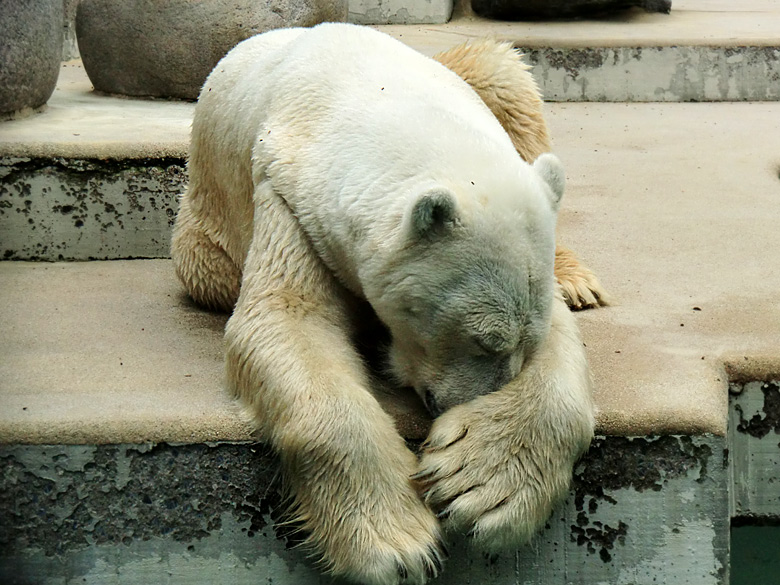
124 461
651 194
704 50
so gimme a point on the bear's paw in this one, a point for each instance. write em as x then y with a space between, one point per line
492 477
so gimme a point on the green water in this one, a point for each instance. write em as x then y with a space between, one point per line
755 555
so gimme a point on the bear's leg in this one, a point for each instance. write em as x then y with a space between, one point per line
498 74
497 465
210 277
291 362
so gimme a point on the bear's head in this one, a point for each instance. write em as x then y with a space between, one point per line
468 297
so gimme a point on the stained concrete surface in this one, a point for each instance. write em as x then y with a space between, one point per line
657 73
400 11
754 448
672 205
640 511
72 209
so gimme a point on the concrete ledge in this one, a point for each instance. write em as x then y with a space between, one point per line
114 352
79 123
109 353
400 11
192 514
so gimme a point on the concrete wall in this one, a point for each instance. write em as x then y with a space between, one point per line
657 74
754 438
641 511
71 209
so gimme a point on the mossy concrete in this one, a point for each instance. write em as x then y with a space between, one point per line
754 439
641 510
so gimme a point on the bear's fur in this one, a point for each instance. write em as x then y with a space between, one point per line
333 166
494 70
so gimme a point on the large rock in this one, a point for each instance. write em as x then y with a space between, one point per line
546 9
30 53
166 48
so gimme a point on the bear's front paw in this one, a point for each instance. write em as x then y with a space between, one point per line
493 476
370 525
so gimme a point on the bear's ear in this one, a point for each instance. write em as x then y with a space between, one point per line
550 169
435 212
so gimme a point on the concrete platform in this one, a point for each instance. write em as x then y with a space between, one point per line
704 50
716 23
673 205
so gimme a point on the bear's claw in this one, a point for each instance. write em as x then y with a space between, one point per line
489 484
580 287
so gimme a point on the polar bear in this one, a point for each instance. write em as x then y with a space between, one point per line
334 169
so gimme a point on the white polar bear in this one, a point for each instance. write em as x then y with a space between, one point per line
333 166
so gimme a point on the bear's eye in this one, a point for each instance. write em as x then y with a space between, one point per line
495 342
484 347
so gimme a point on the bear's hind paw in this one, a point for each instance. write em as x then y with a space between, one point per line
580 288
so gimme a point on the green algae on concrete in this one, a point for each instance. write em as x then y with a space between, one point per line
640 511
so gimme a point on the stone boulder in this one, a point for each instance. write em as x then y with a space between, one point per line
30 53
166 48
551 9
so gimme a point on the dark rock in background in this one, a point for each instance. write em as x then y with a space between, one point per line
552 9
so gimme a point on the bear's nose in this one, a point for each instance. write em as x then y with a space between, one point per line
431 404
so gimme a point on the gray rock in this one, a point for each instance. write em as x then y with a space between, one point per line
548 9
30 52
166 48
